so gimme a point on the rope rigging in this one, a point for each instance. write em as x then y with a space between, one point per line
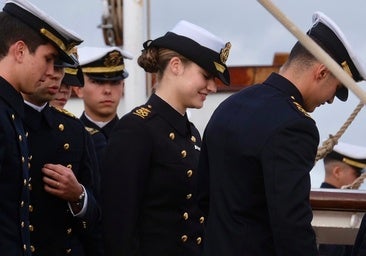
329 143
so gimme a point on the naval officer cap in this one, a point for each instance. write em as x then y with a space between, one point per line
104 63
63 39
350 154
73 75
199 45
329 36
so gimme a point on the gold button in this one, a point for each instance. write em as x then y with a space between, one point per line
84 224
23 159
61 127
183 153
68 251
26 134
202 220
29 165
24 182
184 238
22 224
24 247
21 203
30 207
32 248
13 116
199 240
69 231
20 137
69 166
66 146
30 186
172 135
185 216
31 228
188 196
193 139
189 173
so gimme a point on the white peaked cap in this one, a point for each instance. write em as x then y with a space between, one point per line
62 38
198 34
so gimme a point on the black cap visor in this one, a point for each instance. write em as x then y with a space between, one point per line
73 77
115 76
342 93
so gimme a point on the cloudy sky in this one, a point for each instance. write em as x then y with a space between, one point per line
254 33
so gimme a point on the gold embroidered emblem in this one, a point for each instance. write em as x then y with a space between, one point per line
64 111
91 130
142 112
301 109
224 53
114 59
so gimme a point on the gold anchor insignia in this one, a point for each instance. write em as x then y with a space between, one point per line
114 59
142 112
224 53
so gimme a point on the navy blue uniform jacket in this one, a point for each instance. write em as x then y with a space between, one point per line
59 138
258 149
359 248
14 175
148 184
100 135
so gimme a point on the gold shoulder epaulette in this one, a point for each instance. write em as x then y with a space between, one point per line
143 111
91 130
300 108
64 111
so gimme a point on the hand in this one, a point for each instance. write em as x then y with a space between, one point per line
60 181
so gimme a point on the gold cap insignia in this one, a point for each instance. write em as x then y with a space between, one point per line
224 53
113 59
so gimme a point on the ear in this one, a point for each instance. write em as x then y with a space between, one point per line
321 72
19 49
175 65
337 171
78 91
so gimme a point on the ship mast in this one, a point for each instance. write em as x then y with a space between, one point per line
126 24
135 28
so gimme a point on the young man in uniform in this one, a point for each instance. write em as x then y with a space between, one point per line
259 148
64 173
104 74
342 167
30 43
73 77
